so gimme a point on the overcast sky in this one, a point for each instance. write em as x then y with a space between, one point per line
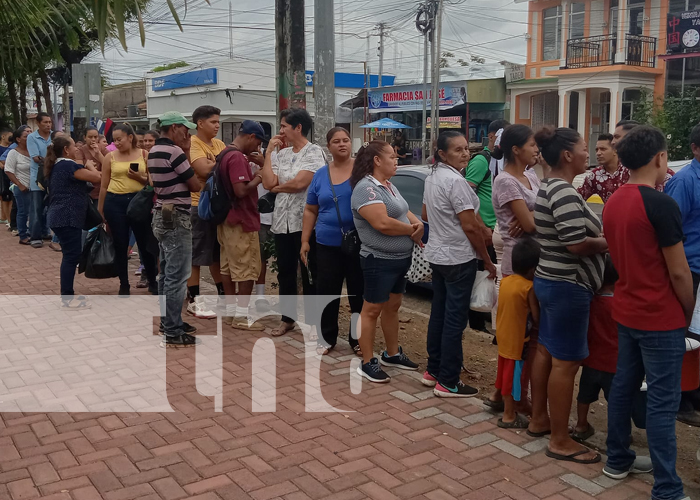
492 29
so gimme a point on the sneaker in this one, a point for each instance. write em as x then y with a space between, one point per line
373 372
37 244
399 360
14 232
461 390
183 340
186 327
25 241
428 380
641 465
240 323
139 270
198 308
262 305
143 282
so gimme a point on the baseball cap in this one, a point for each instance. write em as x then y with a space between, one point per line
175 118
252 127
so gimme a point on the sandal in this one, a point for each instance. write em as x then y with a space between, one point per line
284 329
572 457
496 406
357 350
538 434
583 436
322 350
520 422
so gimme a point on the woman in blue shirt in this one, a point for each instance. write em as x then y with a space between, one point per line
68 204
331 221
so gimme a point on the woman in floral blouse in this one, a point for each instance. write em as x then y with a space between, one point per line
289 174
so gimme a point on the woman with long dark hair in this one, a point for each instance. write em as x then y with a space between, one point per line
123 175
18 170
514 193
456 241
570 271
388 231
68 206
328 211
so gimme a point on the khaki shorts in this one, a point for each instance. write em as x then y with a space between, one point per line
240 253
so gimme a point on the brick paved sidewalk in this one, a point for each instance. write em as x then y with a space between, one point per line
397 442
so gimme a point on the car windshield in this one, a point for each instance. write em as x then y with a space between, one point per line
411 188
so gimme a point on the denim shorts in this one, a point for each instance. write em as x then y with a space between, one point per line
564 311
384 277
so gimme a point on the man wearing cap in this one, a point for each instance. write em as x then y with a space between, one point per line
238 235
173 179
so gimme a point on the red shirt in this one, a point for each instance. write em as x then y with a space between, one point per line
639 221
602 335
244 211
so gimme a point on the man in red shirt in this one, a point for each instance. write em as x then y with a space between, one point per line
238 235
653 305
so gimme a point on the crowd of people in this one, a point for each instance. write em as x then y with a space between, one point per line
616 302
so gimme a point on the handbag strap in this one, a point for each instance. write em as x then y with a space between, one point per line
335 200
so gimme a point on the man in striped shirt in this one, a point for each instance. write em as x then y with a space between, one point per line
173 179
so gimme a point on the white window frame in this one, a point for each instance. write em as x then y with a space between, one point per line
557 18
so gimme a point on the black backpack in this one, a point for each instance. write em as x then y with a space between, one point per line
216 199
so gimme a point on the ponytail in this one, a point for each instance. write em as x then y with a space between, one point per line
54 152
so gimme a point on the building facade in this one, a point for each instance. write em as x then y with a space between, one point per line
589 61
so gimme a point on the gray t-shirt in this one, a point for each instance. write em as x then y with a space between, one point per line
370 191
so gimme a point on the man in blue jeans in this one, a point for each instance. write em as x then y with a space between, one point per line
173 180
37 142
653 305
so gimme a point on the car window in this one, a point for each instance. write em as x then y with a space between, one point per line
411 188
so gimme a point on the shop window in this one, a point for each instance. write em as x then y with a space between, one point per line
551 33
577 17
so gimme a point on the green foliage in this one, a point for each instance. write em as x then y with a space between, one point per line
166 67
675 115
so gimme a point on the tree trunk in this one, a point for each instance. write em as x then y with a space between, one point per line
14 103
46 90
23 102
66 108
37 94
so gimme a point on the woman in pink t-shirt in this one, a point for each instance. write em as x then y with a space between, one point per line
514 194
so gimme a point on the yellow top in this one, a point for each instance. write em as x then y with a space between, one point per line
200 149
511 319
119 182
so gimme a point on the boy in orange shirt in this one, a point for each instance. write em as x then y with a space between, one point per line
518 310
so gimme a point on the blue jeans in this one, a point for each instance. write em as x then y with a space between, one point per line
660 356
175 245
452 291
72 248
37 216
23 200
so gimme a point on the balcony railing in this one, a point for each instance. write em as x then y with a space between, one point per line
595 51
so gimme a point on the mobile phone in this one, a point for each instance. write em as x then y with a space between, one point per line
134 167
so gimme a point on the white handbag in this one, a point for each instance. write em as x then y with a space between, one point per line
420 271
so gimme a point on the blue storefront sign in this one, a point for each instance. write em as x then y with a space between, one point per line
182 80
410 97
353 80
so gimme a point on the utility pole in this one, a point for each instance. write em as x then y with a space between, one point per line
324 66
380 52
425 22
290 51
435 99
230 30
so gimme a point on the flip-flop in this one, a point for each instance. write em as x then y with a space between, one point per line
582 436
572 457
520 422
538 434
497 406
323 350
279 332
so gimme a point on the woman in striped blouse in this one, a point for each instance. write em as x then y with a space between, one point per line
570 271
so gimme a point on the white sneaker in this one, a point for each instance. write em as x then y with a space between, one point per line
198 308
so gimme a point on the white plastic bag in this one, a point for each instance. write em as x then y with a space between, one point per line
484 293
695 322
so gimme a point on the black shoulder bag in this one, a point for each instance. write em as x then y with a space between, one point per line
350 242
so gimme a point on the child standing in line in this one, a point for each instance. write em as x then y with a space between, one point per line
518 310
600 365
